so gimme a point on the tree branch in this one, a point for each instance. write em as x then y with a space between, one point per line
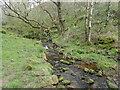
23 18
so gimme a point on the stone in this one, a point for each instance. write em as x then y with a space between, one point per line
61 79
56 65
90 81
82 77
65 69
65 82
91 71
71 61
29 67
112 85
100 74
65 62
86 70
73 74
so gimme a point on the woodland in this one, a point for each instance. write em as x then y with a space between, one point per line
55 44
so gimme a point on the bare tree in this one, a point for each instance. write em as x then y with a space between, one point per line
88 20
60 19
15 11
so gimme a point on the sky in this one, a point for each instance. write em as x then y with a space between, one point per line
65 0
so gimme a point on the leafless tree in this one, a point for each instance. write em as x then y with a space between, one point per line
88 24
59 12
15 11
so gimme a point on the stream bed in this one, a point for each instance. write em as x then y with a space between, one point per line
78 77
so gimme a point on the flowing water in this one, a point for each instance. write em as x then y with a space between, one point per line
74 72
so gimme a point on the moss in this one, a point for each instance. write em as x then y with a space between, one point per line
3 31
65 69
65 82
65 62
105 40
73 74
82 77
90 81
100 74
71 61
112 85
86 70
91 71
61 79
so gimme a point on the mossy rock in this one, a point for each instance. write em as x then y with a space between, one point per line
65 69
61 79
91 71
65 82
71 61
65 62
86 70
73 74
100 73
90 81
56 65
82 77
112 85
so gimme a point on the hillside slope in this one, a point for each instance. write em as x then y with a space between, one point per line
23 64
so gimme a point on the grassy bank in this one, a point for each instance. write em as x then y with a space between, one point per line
23 63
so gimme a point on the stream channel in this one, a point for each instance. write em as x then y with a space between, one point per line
78 77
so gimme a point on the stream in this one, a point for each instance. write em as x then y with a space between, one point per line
77 77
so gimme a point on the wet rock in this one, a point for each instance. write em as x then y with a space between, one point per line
90 81
56 65
65 82
58 74
91 71
73 74
100 74
71 61
65 69
82 77
61 79
65 62
112 85
86 70
109 78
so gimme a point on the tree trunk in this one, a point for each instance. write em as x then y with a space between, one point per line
86 21
90 21
108 12
61 22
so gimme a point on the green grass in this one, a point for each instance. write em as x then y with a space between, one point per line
17 54
90 53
